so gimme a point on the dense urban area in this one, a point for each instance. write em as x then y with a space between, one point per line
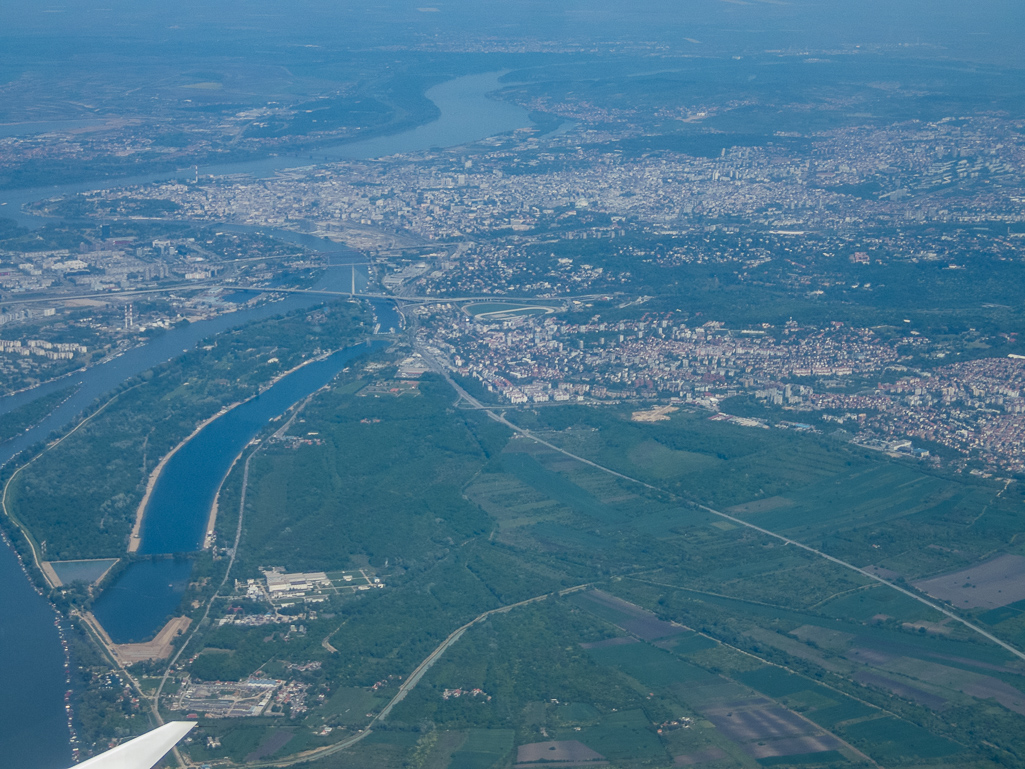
557 217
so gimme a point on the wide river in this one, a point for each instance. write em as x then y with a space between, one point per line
33 721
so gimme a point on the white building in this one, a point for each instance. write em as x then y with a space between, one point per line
278 582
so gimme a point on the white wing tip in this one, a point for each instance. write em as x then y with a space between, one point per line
142 752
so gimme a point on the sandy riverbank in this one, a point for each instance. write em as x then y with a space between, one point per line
54 579
50 574
159 648
127 654
211 521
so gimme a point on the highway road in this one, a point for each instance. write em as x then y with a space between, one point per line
206 285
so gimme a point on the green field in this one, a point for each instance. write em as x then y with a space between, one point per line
688 643
557 487
483 748
653 668
887 739
775 682
669 464
847 710
627 735
241 740
827 758
392 737
866 604
823 706
577 713
350 705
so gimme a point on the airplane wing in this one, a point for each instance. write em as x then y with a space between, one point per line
142 752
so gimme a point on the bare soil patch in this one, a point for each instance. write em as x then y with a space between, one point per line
556 750
794 746
768 730
931 701
989 585
700 757
882 573
762 723
830 639
157 649
975 685
634 619
271 745
761 505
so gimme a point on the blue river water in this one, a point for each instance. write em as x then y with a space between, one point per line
144 596
466 115
33 721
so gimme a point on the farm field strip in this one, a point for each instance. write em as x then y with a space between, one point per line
739 709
